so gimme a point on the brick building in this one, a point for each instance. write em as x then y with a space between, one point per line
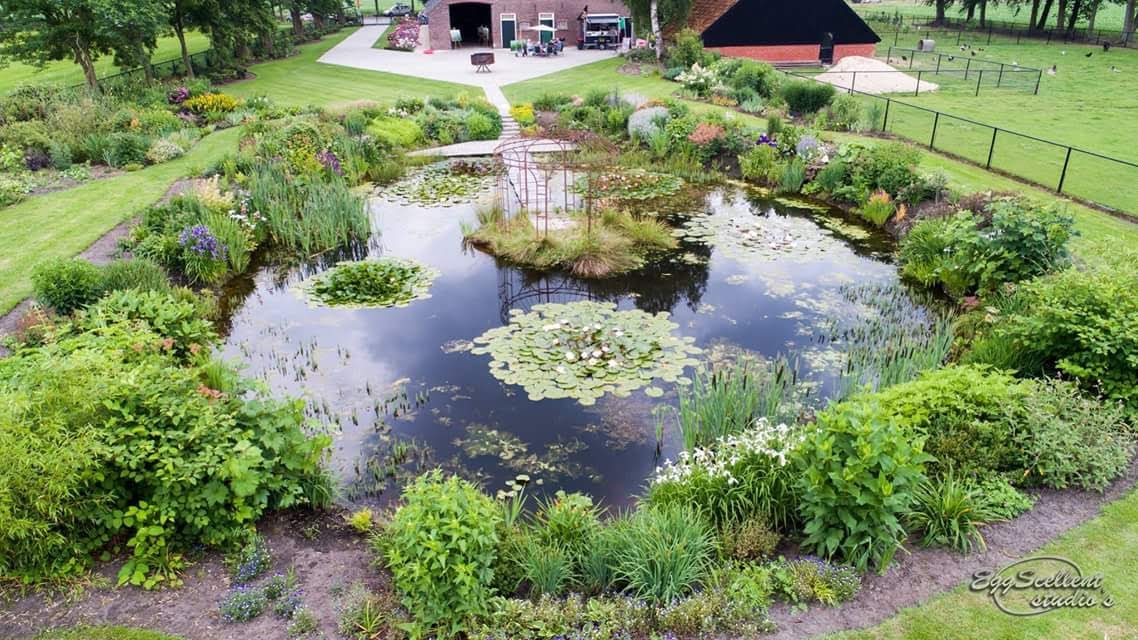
508 20
783 31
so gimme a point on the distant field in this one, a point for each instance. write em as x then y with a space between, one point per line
1109 16
66 72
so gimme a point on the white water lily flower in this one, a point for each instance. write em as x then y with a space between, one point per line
596 353
551 327
570 356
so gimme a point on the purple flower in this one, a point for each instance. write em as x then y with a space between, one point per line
767 140
330 162
200 241
178 96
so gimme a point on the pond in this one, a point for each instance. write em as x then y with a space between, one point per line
401 391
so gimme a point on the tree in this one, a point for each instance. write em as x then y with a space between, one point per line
131 31
38 31
1128 22
660 14
180 14
941 8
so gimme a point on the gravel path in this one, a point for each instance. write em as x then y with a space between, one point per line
871 76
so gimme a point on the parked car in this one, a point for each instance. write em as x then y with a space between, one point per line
397 10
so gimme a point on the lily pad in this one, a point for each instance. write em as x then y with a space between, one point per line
387 282
584 350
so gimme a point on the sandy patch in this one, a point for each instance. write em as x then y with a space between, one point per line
871 76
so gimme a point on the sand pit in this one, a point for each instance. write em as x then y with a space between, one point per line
883 79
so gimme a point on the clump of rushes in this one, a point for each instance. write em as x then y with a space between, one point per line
612 243
388 282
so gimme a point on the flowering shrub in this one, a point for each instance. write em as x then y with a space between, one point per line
178 96
698 79
878 209
330 162
163 150
808 148
242 604
211 103
706 133
405 35
523 114
740 476
198 240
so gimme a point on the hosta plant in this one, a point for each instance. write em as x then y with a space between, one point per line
584 350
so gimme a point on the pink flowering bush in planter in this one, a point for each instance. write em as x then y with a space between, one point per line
405 35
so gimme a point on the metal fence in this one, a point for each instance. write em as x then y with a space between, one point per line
968 68
997 30
1085 175
173 68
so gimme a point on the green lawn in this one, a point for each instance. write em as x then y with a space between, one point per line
65 223
1103 238
103 633
66 72
1105 544
1109 15
301 81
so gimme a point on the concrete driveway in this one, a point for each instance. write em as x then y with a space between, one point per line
454 65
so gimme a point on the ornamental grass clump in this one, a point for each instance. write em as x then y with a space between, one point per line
387 282
584 350
664 553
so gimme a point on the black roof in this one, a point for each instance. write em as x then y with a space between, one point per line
775 22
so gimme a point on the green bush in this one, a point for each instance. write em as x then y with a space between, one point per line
759 77
548 569
760 165
125 148
136 273
968 252
551 101
1083 324
750 540
998 498
441 546
163 312
806 96
1071 440
858 471
811 580
961 412
845 113
688 50
664 553
569 522
26 136
66 285
124 441
793 176
481 127
947 514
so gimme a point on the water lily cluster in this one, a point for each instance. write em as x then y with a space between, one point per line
584 350
773 441
630 184
387 282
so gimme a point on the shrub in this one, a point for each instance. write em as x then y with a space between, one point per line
1080 323
548 617
136 273
997 497
687 50
1071 440
480 127
845 113
31 135
645 123
664 553
806 96
163 150
178 320
750 540
947 514
551 101
362 520
398 133
960 411
878 209
759 77
698 79
741 477
441 551
125 149
165 462
211 103
858 469
66 285
523 114
760 164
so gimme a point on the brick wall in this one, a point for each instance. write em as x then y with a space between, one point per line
526 11
843 50
795 52
775 53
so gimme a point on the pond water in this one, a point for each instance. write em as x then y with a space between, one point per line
400 391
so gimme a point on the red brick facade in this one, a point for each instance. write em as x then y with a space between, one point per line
795 53
564 12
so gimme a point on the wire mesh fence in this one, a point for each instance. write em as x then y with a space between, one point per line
1092 177
963 30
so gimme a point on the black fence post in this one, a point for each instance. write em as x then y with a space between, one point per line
932 138
967 67
1063 176
1000 78
991 148
978 81
1038 78
853 82
885 120
917 89
989 33
938 57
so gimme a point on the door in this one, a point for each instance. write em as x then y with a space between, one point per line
827 49
547 20
509 29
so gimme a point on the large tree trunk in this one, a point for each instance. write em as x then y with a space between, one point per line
983 13
1074 17
654 16
1091 19
1034 13
82 53
971 12
1128 22
318 20
1042 24
1062 17
940 7
180 31
297 22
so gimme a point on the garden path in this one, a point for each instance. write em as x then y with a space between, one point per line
454 65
